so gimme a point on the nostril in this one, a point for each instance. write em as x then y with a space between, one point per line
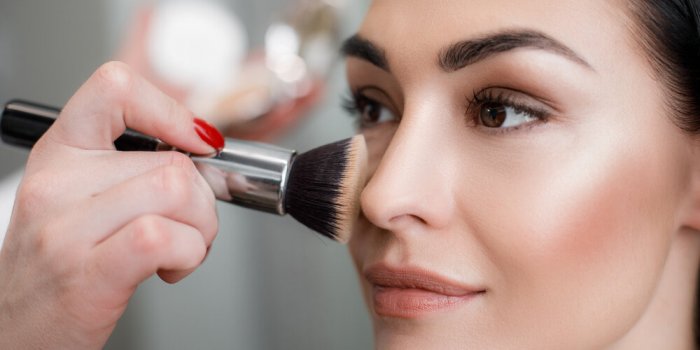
389 207
407 218
396 206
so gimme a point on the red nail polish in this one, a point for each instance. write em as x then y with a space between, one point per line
209 134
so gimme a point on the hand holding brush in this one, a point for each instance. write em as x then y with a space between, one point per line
90 223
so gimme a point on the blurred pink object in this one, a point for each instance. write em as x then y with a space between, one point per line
268 91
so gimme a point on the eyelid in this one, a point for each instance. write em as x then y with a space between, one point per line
512 98
360 97
378 95
519 100
515 95
545 103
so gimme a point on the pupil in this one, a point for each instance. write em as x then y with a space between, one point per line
373 112
493 116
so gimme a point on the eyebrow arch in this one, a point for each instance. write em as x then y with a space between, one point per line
357 46
464 53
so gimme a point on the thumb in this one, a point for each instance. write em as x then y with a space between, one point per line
115 98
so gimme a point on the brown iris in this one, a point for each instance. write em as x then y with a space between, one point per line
493 115
371 112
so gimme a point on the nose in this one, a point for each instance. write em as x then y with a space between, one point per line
411 187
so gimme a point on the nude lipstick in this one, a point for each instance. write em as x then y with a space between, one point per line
412 292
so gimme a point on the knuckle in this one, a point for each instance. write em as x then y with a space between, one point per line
199 253
179 160
212 230
46 241
42 242
176 184
194 256
115 77
149 234
33 194
172 109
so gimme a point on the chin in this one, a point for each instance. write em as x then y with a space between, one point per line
433 333
411 324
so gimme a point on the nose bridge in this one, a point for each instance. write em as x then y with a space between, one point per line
411 182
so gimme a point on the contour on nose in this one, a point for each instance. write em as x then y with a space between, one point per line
405 191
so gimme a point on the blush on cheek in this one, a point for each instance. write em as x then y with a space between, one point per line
609 213
593 234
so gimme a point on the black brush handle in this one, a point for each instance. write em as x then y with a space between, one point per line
22 124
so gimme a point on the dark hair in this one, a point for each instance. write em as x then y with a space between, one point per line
670 35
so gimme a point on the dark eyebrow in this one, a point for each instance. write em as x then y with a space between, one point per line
464 53
357 46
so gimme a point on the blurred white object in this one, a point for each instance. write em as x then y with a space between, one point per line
281 53
197 52
299 51
8 189
198 46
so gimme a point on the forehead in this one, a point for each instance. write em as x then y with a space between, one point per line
412 31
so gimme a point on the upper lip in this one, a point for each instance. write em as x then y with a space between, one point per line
408 277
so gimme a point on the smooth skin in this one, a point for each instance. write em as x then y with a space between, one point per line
581 229
90 223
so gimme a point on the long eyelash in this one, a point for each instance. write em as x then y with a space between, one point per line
350 103
353 103
479 98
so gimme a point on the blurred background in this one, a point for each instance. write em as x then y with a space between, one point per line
263 70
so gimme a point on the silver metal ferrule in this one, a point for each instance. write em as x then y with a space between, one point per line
250 174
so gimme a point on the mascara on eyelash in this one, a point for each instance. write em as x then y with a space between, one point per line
480 98
350 104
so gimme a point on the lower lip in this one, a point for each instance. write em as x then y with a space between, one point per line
412 303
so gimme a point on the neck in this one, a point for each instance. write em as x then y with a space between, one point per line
668 322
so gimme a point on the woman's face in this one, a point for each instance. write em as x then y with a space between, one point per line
526 183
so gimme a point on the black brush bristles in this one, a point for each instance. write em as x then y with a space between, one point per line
324 185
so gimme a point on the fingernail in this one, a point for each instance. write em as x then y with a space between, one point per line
209 134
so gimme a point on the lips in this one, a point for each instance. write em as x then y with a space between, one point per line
413 292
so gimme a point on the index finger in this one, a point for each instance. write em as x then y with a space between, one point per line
115 98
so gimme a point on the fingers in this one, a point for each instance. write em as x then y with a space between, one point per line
144 246
115 98
90 224
174 276
80 182
165 191
112 168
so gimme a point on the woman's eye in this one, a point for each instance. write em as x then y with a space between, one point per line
368 111
372 112
499 115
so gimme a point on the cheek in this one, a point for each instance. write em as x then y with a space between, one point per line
591 214
586 223
378 139
363 243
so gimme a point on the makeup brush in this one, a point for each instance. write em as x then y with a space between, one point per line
319 188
